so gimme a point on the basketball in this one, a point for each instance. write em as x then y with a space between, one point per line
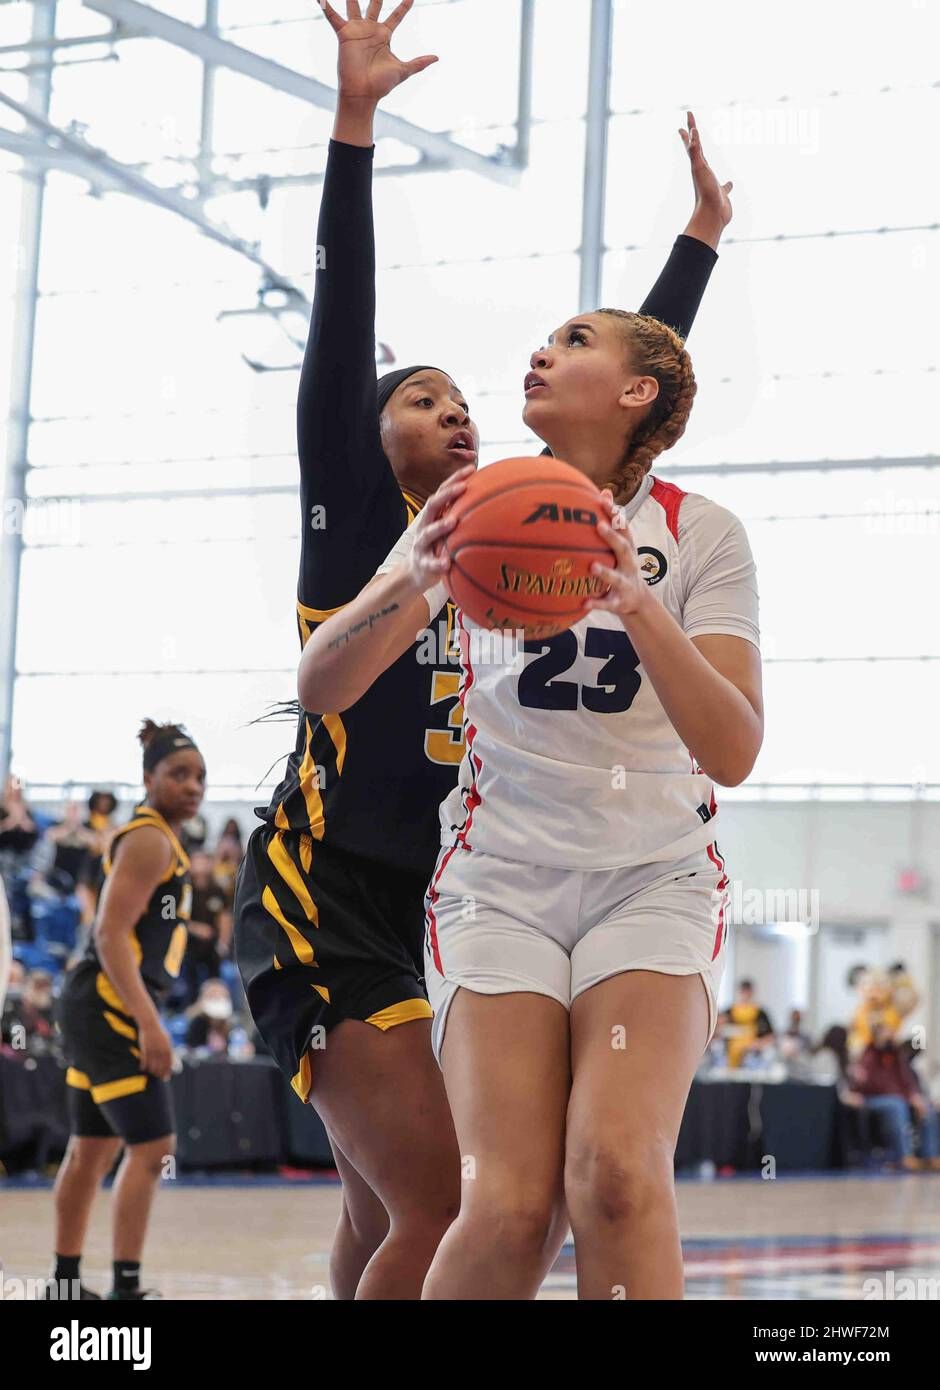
522 549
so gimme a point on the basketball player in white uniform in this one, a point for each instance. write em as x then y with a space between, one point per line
576 918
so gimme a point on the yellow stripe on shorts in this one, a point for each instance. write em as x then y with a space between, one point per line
115 1090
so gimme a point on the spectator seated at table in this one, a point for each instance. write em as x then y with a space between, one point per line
794 1044
745 1027
829 1060
882 1083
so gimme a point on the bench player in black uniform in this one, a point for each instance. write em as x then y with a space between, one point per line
329 910
118 1051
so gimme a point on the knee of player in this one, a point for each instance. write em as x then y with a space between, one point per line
616 1178
515 1217
91 1155
152 1156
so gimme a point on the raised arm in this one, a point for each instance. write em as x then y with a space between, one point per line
678 293
337 428
342 464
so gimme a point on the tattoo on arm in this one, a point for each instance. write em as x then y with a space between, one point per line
369 622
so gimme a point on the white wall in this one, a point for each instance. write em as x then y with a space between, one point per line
851 853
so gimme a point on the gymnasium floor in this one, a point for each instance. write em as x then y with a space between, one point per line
796 1238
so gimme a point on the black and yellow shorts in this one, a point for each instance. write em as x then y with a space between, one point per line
108 1093
322 935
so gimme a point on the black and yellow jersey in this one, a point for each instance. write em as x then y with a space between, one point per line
370 780
159 936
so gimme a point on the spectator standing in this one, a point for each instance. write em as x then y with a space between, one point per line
100 821
228 855
209 930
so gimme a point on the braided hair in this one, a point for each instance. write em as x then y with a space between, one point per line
655 350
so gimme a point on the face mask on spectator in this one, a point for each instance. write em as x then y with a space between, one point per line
217 1007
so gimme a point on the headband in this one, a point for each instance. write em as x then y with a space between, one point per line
164 745
390 382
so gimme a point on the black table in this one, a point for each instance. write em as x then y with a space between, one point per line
743 1124
244 1114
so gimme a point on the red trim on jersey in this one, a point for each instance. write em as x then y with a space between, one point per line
670 498
464 642
719 863
433 896
474 798
476 766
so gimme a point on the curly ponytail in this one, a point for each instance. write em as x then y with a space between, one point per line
657 351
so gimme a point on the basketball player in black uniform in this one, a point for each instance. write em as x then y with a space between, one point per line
118 1051
329 905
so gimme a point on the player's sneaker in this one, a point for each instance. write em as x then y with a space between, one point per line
61 1292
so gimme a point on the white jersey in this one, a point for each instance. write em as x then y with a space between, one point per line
571 758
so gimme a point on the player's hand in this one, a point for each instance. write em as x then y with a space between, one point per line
713 209
156 1050
428 563
368 69
628 590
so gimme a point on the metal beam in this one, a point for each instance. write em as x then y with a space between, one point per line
130 181
54 44
24 69
207 111
262 184
221 53
38 155
290 489
524 111
39 91
595 155
801 466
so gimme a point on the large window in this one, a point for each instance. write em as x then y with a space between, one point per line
161 553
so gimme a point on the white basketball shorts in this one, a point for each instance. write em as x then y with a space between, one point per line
498 926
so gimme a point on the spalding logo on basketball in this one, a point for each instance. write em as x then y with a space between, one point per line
522 550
